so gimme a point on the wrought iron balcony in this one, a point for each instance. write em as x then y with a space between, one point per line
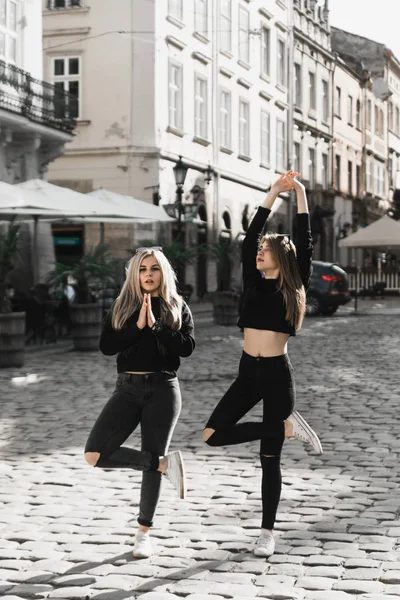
60 4
36 100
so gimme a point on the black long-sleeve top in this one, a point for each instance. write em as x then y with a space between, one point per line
263 305
146 349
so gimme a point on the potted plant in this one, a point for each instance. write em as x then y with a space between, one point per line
225 299
12 324
92 271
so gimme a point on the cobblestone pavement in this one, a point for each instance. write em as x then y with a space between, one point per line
66 529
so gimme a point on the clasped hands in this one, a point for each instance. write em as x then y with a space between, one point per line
287 181
146 316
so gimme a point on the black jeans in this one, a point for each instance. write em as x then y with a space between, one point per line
154 401
270 380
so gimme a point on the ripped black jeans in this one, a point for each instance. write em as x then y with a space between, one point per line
270 380
154 401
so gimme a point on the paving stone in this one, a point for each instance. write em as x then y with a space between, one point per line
315 583
353 586
72 593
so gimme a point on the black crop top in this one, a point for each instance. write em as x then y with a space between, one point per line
263 306
145 349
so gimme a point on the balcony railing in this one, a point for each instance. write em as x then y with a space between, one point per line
60 4
37 100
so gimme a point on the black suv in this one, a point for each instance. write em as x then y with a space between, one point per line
329 289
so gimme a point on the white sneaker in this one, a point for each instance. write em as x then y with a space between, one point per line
175 473
142 548
265 545
303 432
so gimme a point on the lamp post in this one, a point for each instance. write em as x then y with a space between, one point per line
180 170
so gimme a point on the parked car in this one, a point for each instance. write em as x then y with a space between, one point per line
329 289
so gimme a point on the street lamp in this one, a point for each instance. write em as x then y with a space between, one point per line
180 170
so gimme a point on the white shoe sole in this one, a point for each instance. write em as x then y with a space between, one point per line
181 466
314 439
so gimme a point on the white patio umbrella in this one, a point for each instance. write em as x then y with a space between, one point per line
139 209
383 233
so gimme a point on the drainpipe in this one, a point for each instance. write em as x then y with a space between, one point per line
215 117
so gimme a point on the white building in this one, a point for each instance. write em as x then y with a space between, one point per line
205 80
34 120
348 140
313 116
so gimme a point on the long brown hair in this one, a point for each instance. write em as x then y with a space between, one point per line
290 282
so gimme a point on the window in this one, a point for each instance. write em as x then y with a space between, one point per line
280 145
244 35
225 119
244 128
311 167
200 107
350 110
8 31
325 171
377 130
175 9
338 102
297 158
380 184
379 120
397 123
358 180
358 114
265 51
369 115
67 78
201 16
337 171
390 170
325 100
281 74
350 177
297 85
265 138
390 113
175 96
368 175
313 91
53 4
226 25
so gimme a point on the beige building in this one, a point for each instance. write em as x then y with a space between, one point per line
158 79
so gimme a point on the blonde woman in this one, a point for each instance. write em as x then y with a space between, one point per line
150 327
275 277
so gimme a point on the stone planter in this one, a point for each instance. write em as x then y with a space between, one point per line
12 339
225 308
86 325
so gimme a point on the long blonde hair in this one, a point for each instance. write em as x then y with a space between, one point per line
130 298
290 282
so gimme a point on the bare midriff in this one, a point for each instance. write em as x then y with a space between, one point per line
260 342
139 372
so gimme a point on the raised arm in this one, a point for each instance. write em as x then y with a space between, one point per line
304 245
258 227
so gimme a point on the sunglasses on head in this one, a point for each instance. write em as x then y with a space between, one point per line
149 248
283 235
